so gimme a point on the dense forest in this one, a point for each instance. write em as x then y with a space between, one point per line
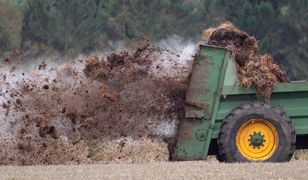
83 26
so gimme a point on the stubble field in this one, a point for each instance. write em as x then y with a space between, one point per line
162 170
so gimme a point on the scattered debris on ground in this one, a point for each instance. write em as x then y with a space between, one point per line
258 71
131 151
300 155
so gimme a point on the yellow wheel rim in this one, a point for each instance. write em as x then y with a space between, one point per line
257 140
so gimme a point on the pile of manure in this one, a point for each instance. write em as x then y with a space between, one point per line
253 70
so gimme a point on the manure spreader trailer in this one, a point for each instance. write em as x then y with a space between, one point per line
225 119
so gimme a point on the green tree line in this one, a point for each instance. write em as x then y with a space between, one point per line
82 26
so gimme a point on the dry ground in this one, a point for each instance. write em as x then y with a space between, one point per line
163 170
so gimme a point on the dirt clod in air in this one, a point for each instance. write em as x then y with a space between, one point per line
253 70
42 66
46 87
95 68
7 107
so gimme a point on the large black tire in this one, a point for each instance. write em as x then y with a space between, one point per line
256 110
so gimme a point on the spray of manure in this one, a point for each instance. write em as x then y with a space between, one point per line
119 107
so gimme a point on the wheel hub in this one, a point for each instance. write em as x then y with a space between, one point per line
256 140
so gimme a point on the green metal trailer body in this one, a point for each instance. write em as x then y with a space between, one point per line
214 91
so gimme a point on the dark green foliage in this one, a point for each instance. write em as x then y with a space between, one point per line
10 26
63 24
4 41
281 26
85 24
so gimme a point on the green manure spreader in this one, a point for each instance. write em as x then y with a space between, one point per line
227 120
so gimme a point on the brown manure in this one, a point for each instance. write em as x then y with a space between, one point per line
253 70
